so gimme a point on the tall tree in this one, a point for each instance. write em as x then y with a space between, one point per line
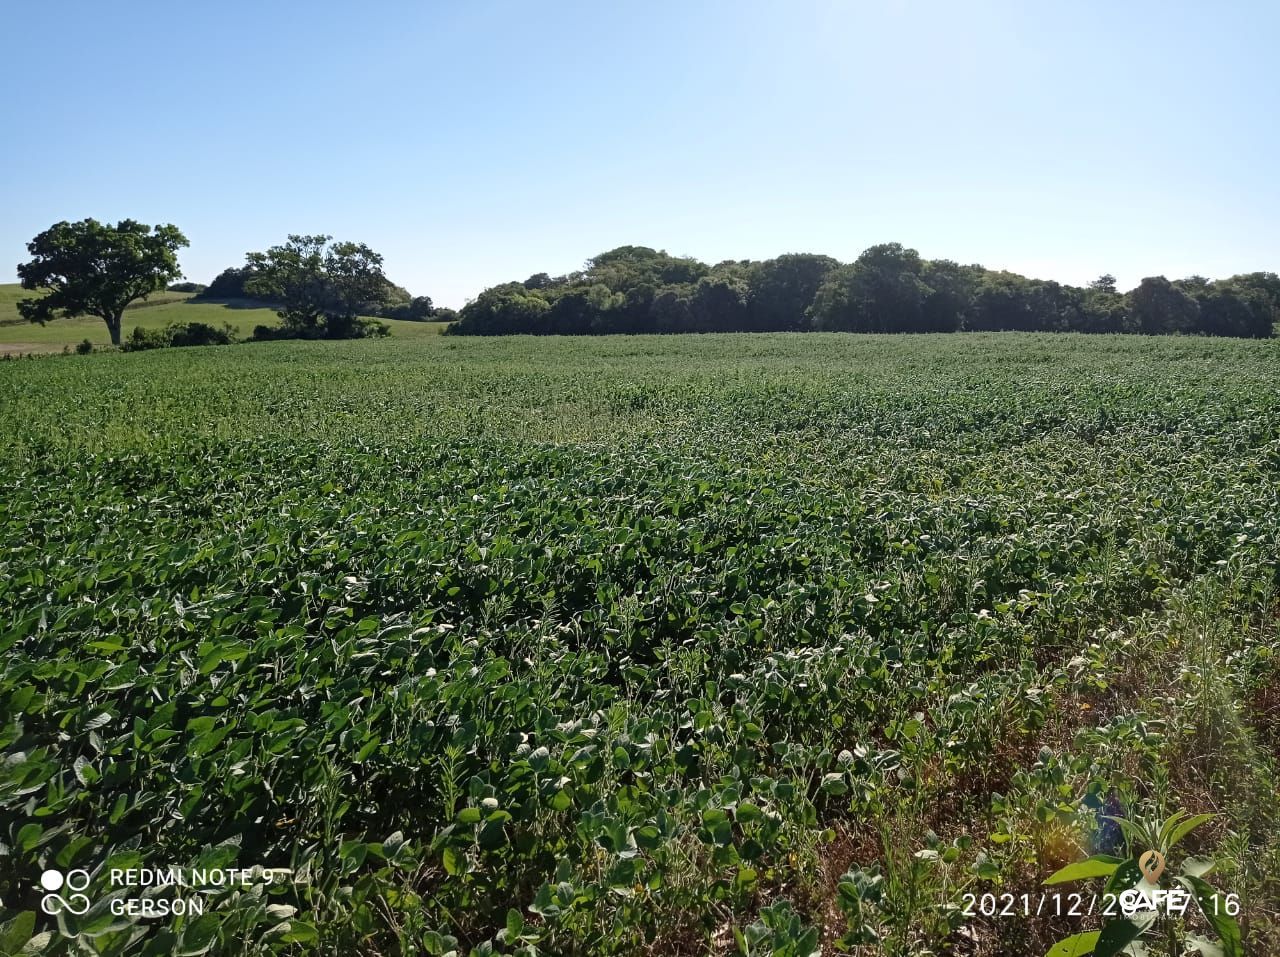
952 286
323 287
503 310
90 268
582 310
1103 309
627 266
882 291
1158 307
719 303
1004 302
1229 308
1266 283
782 290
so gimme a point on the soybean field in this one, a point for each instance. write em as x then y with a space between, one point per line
726 644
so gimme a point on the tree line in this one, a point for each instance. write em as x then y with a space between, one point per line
889 288
322 289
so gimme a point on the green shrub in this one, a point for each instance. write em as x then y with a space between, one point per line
201 334
372 329
363 328
180 334
265 333
141 339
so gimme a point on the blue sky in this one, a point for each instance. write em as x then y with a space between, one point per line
475 142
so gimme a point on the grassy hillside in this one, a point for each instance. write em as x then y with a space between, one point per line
641 645
17 336
11 292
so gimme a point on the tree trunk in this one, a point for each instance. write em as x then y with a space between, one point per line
113 327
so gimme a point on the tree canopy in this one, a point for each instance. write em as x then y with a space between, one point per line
88 268
889 288
228 284
323 287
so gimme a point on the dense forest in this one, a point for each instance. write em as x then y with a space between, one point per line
889 288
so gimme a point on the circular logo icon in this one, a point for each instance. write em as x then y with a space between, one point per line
53 881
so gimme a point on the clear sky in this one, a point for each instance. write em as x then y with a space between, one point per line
472 142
